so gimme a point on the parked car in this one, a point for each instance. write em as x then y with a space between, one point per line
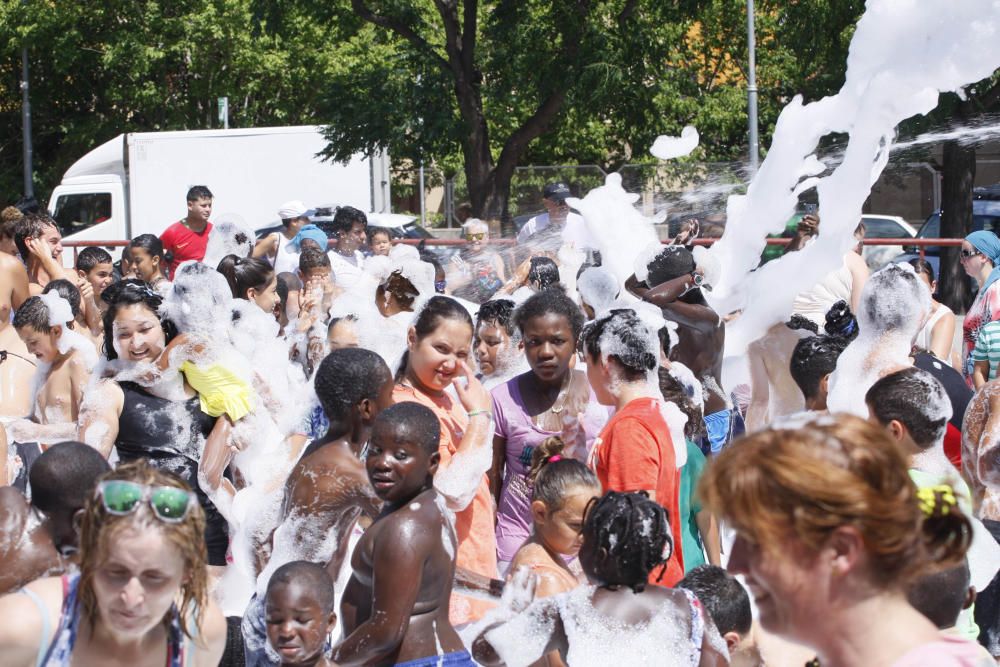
400 225
985 215
877 226
884 227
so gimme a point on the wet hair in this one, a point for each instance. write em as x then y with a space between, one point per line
544 272
802 484
553 480
812 359
197 192
499 312
348 376
889 296
671 262
68 291
840 321
663 334
245 273
801 323
400 287
63 478
126 293
150 243
922 266
375 231
33 313
722 595
286 282
31 226
344 219
412 421
624 337
99 529
634 532
549 302
942 595
674 392
436 309
90 257
311 258
312 577
916 399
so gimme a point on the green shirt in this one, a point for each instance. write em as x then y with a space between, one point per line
691 547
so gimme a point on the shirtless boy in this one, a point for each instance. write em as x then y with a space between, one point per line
94 267
328 488
16 365
60 377
35 537
395 608
40 245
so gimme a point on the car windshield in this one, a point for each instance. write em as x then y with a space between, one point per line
932 228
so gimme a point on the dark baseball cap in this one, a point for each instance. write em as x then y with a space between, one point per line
557 191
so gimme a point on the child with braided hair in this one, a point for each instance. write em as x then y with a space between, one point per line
618 618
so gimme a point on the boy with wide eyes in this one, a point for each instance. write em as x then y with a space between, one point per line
299 608
395 608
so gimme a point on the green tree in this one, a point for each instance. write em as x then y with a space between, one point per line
100 69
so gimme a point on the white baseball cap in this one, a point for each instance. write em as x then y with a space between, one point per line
293 209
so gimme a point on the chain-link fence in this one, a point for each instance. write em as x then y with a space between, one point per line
668 192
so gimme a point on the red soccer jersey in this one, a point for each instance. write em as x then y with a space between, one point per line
184 244
634 453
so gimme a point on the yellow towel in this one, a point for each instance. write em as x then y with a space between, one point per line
220 390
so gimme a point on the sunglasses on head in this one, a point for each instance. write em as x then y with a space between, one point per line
477 236
120 497
966 254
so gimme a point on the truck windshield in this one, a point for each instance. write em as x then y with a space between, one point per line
76 212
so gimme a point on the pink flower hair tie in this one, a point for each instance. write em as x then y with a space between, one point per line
554 458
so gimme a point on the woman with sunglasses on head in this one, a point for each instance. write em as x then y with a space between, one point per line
980 257
476 272
141 595
141 414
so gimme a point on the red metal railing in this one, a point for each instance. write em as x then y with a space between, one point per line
920 244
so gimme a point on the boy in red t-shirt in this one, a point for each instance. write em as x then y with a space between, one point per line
187 239
634 452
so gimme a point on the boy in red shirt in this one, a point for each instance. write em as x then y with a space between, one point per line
188 238
635 451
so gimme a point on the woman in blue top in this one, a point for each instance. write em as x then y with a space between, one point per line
141 595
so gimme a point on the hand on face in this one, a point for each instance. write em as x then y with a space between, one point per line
471 391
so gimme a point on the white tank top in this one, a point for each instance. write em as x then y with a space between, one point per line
286 259
923 338
834 286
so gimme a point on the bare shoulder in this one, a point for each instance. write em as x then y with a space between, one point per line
212 640
13 511
20 641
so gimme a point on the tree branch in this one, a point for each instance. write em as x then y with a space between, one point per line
400 28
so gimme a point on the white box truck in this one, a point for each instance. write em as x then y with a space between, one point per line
136 183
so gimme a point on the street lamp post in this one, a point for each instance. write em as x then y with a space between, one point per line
29 188
752 91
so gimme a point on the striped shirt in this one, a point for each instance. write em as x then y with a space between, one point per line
988 346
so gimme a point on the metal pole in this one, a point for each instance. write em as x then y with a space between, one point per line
752 90
423 211
29 188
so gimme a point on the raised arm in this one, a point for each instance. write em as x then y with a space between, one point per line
458 480
398 557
